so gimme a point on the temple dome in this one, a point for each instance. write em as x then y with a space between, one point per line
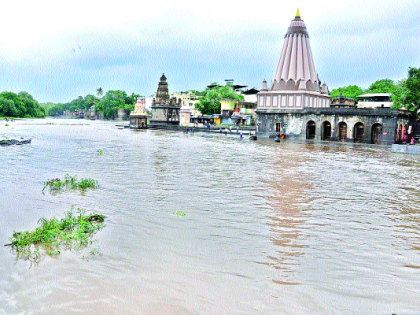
295 68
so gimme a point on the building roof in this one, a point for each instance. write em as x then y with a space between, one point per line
250 91
374 94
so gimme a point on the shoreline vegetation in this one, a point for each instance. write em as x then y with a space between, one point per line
74 231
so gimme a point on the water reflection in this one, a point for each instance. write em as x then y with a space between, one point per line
288 183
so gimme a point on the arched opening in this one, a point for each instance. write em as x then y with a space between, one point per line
358 132
399 140
326 130
376 133
342 131
405 134
310 129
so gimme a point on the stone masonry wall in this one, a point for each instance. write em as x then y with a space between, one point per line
293 123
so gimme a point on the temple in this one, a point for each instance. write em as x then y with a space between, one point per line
165 110
138 118
297 105
295 84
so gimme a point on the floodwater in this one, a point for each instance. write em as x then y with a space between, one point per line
270 228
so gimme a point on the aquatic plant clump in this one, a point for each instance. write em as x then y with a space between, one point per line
70 182
75 230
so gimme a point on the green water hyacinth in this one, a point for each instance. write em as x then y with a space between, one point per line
70 182
74 231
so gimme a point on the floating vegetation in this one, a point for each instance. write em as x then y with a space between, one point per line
70 182
100 152
74 231
181 214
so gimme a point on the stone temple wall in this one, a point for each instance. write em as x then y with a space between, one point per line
296 123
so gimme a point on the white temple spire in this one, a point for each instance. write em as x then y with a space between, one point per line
296 62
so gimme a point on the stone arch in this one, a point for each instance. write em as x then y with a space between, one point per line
342 131
310 129
376 133
326 130
358 132
399 134
405 133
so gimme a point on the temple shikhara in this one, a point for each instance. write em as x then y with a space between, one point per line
165 110
295 83
296 104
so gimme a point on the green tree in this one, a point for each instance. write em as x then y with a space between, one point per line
18 104
7 107
412 99
99 92
90 100
210 102
348 91
111 102
382 86
399 94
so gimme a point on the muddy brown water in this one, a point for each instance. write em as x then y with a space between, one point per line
269 228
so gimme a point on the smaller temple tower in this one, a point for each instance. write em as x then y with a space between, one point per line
165 110
138 118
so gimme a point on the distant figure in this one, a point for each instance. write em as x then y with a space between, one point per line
240 136
230 129
237 129
192 129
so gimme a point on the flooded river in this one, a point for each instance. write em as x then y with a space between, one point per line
269 228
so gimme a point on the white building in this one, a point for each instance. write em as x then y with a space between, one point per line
374 100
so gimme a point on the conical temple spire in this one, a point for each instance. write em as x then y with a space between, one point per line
295 69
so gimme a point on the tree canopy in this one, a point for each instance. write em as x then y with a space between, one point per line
108 105
20 105
382 86
210 101
348 91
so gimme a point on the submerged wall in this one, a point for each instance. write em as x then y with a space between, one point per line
377 125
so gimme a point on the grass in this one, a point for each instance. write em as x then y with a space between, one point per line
70 182
74 231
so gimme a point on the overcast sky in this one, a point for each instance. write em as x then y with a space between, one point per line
58 50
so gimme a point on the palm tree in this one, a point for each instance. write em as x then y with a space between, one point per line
99 92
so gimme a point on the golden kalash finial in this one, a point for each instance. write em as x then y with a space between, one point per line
297 13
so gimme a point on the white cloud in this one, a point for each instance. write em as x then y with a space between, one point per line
78 45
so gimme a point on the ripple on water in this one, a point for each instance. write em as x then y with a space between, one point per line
273 227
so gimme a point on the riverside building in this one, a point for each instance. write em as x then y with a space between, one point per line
297 105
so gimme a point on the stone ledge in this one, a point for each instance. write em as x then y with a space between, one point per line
405 148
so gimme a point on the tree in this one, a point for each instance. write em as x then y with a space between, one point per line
348 91
412 99
99 92
382 86
399 94
90 100
111 102
210 102
7 107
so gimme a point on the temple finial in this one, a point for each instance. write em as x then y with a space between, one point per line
297 13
